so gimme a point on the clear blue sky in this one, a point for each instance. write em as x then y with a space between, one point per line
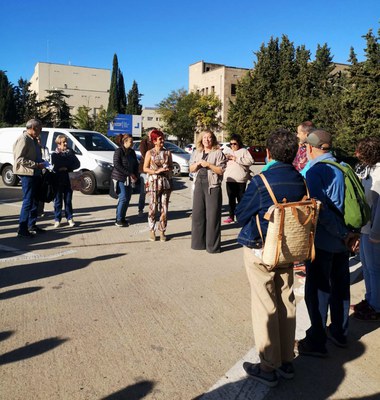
156 41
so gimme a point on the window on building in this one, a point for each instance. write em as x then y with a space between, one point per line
212 89
233 89
150 118
206 91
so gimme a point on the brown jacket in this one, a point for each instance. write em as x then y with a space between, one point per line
145 145
25 155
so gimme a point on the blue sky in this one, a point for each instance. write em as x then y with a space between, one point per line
156 41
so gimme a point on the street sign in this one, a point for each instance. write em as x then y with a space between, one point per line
125 123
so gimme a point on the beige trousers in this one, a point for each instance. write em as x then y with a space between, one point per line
273 310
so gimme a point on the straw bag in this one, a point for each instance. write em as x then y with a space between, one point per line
291 230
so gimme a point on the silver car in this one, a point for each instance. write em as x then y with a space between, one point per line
180 157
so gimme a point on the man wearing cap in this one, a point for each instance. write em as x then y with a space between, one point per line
327 277
28 165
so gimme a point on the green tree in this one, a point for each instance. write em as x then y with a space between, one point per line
133 101
83 120
26 102
8 113
122 99
207 112
55 111
101 121
113 101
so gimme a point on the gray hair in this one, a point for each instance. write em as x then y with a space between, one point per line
33 123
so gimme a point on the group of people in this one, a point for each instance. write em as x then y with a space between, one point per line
294 165
30 160
327 286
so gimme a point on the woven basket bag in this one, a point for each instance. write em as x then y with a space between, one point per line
291 230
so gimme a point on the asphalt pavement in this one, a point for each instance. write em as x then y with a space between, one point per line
99 312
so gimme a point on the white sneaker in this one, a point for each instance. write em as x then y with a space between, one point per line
57 224
71 223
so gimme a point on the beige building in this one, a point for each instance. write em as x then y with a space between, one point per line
206 78
86 86
151 118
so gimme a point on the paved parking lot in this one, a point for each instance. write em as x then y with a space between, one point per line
99 312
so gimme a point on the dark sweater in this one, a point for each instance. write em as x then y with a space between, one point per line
66 159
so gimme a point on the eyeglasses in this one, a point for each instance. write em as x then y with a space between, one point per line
233 144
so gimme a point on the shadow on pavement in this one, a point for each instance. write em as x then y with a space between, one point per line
5 335
133 392
31 350
19 292
15 275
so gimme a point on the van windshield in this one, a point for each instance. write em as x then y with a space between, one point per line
93 141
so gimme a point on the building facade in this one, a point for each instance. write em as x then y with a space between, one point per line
86 86
206 78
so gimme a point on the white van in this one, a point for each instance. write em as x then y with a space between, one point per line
94 151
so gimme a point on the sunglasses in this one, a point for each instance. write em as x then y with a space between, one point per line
233 144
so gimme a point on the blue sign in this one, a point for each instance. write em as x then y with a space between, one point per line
125 123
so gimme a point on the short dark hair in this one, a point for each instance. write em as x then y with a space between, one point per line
282 145
237 138
368 150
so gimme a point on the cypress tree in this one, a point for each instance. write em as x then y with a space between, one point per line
113 101
8 114
133 101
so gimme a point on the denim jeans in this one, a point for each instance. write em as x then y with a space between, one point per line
370 258
125 193
28 214
143 178
64 194
327 285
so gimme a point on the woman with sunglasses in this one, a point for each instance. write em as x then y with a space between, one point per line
237 174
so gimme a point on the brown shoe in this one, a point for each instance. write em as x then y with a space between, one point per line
162 237
152 236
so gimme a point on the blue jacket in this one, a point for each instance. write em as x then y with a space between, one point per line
326 183
285 182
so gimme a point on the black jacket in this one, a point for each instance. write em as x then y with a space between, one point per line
124 164
66 159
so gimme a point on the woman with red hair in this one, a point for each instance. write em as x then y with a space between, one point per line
158 165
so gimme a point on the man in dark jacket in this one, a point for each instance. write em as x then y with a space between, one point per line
273 302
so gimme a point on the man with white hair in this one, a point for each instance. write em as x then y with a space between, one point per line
28 165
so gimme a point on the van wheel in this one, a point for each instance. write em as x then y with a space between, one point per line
89 183
9 178
176 169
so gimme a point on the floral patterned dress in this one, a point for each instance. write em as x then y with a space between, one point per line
159 186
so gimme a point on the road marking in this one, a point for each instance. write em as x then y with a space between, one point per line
29 256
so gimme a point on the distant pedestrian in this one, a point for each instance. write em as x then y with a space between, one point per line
368 153
28 165
145 145
64 161
207 164
158 164
237 174
301 159
124 175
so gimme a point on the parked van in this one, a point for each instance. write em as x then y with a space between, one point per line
94 151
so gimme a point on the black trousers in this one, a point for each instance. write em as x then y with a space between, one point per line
235 191
206 216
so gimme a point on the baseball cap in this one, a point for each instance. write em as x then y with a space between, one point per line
319 139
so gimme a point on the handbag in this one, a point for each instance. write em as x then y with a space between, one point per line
291 230
47 188
76 180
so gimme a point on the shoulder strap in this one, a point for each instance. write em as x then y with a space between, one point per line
266 183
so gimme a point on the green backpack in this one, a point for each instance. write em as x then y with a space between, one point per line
356 209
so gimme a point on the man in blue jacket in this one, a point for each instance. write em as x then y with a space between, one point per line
273 302
327 277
